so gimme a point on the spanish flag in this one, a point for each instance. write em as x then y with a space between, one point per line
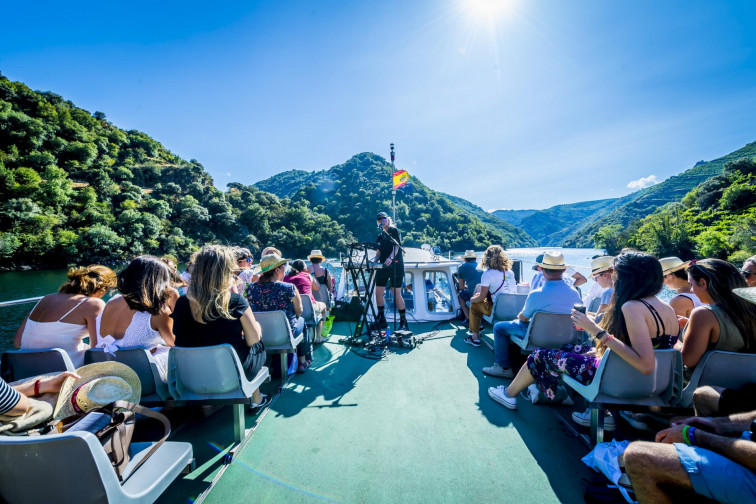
401 177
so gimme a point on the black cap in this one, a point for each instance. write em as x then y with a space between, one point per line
382 215
539 259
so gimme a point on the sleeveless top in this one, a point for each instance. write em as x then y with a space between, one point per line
661 341
69 337
139 333
323 295
696 302
730 339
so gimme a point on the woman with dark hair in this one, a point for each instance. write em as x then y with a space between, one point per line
323 277
64 319
307 285
211 314
676 278
271 293
139 316
636 323
725 321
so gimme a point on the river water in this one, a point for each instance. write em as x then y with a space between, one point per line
27 284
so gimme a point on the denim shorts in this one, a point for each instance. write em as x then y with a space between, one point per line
466 294
717 477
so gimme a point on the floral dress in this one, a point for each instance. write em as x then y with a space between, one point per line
273 296
548 364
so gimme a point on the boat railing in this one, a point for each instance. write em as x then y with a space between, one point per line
3 304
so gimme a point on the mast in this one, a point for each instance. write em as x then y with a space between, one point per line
393 189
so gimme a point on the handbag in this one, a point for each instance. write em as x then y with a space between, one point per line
489 294
113 425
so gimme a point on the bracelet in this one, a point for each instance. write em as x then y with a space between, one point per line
600 334
36 388
692 437
686 435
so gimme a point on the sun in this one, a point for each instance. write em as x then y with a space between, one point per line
488 8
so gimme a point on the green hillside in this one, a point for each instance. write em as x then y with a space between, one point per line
644 202
353 192
516 236
514 217
74 188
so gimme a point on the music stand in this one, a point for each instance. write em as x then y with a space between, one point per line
362 270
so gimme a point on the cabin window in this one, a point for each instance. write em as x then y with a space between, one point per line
438 292
407 295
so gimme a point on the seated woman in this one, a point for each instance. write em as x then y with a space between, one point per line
636 323
676 279
725 321
210 314
139 316
497 277
270 293
322 275
64 319
306 285
244 273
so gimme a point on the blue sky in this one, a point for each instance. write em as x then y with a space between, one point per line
525 104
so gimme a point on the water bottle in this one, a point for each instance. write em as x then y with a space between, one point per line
580 335
388 334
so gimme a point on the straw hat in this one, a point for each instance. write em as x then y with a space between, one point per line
672 264
317 254
99 384
552 259
601 264
270 262
469 254
747 293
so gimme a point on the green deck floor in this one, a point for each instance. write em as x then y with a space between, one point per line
417 426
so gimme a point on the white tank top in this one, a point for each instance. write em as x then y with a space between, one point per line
69 337
696 302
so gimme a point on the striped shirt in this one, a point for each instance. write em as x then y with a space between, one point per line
8 397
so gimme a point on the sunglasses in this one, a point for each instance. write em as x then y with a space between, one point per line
747 273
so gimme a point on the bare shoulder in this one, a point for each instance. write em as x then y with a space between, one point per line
701 314
93 304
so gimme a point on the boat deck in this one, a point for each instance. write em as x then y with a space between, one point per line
416 426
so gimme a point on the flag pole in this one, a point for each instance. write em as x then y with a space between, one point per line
393 189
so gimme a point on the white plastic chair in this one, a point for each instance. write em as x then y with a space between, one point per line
73 468
720 369
618 383
506 306
277 336
154 389
547 330
212 375
308 313
20 364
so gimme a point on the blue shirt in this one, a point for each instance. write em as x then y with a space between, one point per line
470 273
554 297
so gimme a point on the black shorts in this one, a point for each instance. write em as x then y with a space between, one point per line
383 275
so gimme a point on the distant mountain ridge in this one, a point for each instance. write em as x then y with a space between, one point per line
353 192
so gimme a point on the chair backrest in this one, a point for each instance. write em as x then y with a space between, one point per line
276 329
595 303
138 359
20 364
550 330
307 310
204 372
726 369
507 306
59 468
621 380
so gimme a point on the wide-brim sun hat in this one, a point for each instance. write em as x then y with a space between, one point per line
316 254
271 262
98 385
601 264
539 258
672 264
747 293
469 254
552 260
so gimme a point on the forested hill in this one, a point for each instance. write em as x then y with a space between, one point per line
552 225
354 192
74 188
642 203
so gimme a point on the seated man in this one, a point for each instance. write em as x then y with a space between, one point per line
555 296
713 457
570 276
719 401
469 278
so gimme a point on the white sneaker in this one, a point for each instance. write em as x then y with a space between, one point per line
499 395
584 419
533 392
498 371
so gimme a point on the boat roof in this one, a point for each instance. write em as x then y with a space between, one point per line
415 425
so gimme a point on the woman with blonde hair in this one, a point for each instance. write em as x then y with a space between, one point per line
497 277
64 319
211 314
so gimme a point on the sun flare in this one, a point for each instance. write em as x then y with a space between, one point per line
488 8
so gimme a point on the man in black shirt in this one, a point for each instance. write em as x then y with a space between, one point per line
390 254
